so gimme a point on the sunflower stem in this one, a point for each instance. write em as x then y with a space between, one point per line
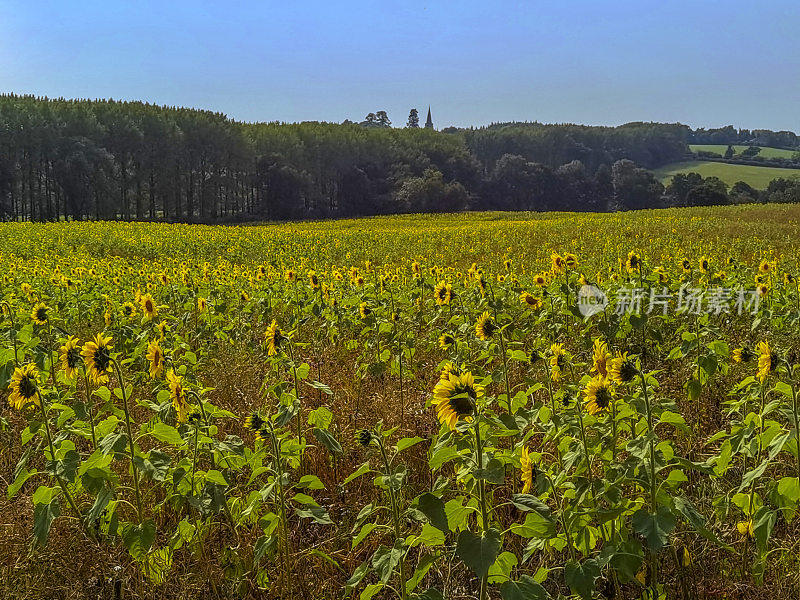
134 469
395 516
481 497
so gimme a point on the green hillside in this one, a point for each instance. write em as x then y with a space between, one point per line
721 148
758 177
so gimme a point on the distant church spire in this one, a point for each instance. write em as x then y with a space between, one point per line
429 122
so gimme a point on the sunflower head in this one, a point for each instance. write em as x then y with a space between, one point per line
202 304
600 358
455 397
633 262
363 310
364 437
686 266
155 355
149 307
742 355
97 357
529 470
446 341
443 293
254 422
599 394
178 396
275 337
530 301
485 327
622 369
557 361
128 309
767 360
70 357
40 313
24 386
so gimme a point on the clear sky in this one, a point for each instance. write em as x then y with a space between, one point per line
701 62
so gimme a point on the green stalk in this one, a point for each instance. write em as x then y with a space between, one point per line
284 524
653 561
129 430
395 518
482 498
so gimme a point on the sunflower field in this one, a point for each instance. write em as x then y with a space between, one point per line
414 407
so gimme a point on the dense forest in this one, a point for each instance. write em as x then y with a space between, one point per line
80 159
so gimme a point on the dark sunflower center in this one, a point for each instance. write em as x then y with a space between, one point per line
148 306
627 371
41 314
602 397
73 358
489 328
460 404
102 358
27 387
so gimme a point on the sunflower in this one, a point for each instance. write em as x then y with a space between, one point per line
557 354
313 280
767 361
540 280
39 314
765 266
742 355
128 309
149 307
633 262
70 357
364 311
178 396
622 369
162 329
705 266
570 260
762 290
599 394
156 357
455 397
684 558
449 368
485 327
600 358
289 275
97 357
556 263
254 422
364 437
443 292
686 266
202 304
528 470
446 340
23 387
532 302
275 337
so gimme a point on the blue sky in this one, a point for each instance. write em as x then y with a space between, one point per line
701 62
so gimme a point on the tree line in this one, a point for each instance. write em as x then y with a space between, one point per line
105 159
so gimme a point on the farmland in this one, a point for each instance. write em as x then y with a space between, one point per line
721 148
409 406
755 176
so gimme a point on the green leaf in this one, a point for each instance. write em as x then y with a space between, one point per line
366 529
406 443
789 488
478 551
580 577
316 513
311 482
167 434
22 477
320 386
327 440
536 526
524 589
500 571
43 515
529 502
385 560
433 508
655 528
362 470
216 477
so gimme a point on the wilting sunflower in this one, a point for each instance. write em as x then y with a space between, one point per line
485 327
40 313
528 470
742 355
600 358
202 304
599 394
162 329
97 357
557 354
156 357
767 361
633 262
275 337
149 307
530 301
446 340
443 292
70 357
455 397
622 369
178 396
23 387
364 437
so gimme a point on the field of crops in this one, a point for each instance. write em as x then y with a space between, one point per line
757 177
403 407
766 152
